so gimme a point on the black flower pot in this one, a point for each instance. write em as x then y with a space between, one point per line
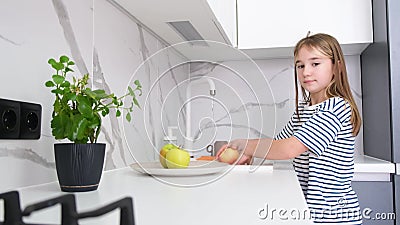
79 166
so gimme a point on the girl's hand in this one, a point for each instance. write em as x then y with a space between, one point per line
239 145
222 149
245 159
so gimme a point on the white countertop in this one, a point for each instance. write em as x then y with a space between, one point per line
235 197
366 168
368 164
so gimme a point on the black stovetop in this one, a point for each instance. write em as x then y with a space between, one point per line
13 214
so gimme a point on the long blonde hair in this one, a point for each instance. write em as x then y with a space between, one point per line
339 86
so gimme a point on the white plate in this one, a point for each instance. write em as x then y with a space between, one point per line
195 168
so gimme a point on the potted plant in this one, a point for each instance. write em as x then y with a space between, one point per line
77 116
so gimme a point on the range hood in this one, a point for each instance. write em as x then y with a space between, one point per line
178 21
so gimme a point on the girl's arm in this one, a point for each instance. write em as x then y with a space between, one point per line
286 148
270 149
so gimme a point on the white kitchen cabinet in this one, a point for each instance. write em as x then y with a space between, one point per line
225 12
260 28
278 25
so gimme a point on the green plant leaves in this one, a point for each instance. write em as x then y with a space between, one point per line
65 84
97 94
64 59
67 69
77 108
49 84
94 122
131 91
135 101
75 127
79 127
105 112
128 117
137 83
59 124
58 79
84 106
58 66
57 91
52 61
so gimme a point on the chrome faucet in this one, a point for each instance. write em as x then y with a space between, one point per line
188 145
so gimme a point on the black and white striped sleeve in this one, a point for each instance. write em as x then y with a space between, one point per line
319 131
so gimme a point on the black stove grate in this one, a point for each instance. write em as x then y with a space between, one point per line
13 215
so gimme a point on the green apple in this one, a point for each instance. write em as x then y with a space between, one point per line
229 155
177 159
163 153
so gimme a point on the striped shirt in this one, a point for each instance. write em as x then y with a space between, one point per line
325 171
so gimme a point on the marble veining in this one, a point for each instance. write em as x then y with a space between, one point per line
280 72
9 41
114 139
175 82
26 154
201 68
69 35
245 107
145 57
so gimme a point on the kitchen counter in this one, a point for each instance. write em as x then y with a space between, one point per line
232 197
366 168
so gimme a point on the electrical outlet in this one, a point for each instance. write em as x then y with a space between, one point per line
30 120
20 120
9 119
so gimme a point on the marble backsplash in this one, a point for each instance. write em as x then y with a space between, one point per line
253 98
258 106
103 40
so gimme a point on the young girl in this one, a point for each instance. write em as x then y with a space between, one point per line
320 135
